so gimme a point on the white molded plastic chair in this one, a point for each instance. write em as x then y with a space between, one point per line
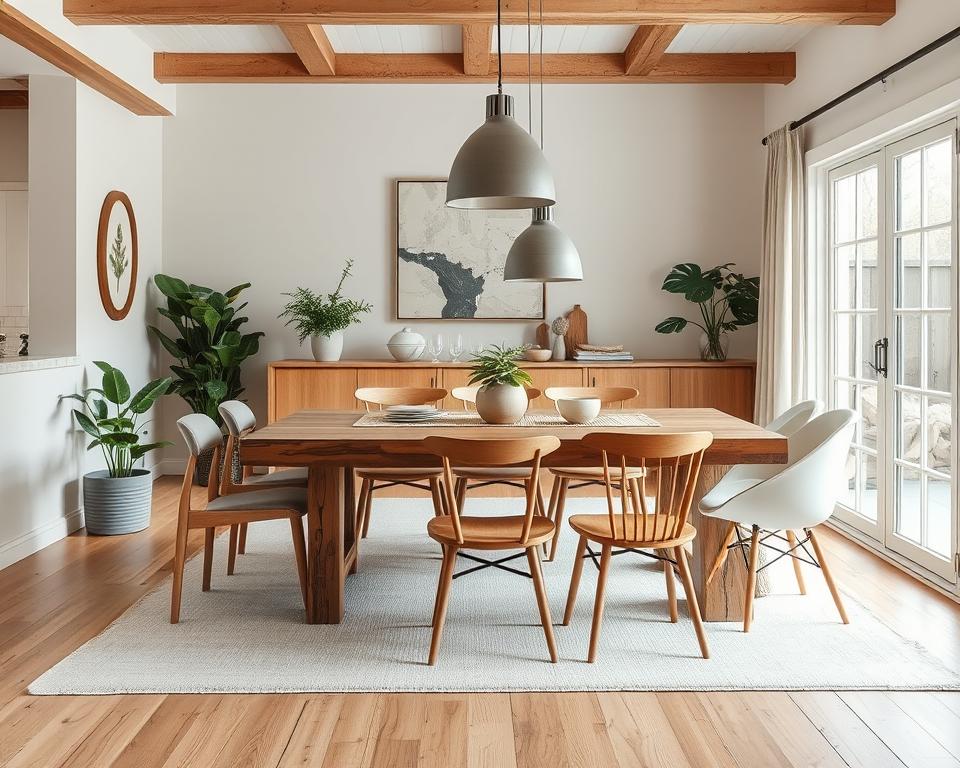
798 497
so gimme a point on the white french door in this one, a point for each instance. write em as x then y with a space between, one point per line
893 342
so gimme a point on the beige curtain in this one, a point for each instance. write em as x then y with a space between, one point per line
780 330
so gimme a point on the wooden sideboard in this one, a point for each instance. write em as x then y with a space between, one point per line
293 385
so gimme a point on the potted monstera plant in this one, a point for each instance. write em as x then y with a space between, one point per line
117 499
208 346
726 299
502 397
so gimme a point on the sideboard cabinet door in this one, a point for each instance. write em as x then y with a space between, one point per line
728 389
653 384
294 389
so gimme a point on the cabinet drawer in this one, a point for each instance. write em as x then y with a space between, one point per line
653 384
397 377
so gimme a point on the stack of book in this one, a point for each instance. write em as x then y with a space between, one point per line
594 353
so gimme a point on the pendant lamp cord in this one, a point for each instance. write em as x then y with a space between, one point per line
499 54
529 72
540 2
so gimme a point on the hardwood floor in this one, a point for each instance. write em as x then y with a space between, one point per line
57 599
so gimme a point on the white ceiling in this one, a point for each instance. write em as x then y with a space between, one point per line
359 38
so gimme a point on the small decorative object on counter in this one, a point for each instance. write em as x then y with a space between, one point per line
324 318
502 397
602 353
559 328
537 354
3 344
24 344
576 330
406 345
727 300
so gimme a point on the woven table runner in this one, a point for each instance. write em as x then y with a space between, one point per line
530 419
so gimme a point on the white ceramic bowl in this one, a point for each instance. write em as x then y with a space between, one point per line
578 410
538 355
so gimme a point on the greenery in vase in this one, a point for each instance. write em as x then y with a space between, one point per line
118 256
117 435
209 347
316 314
498 365
727 300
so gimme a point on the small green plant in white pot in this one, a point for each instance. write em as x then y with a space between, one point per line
324 318
117 499
502 397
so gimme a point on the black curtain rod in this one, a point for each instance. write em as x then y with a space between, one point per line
877 78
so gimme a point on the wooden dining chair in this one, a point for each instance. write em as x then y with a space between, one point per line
656 528
482 477
570 478
240 421
201 433
456 532
376 398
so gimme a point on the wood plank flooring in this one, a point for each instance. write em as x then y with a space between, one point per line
57 599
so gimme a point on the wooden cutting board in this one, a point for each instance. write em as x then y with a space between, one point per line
577 331
543 336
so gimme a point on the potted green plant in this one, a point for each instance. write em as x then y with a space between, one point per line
208 346
324 318
117 499
727 301
502 397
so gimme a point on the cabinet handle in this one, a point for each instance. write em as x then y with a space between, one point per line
594 381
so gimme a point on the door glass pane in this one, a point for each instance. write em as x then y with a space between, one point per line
867 203
849 495
909 437
868 486
936 183
936 246
938 352
869 282
908 270
908 504
868 335
846 276
938 515
845 345
908 191
870 415
845 210
908 349
939 435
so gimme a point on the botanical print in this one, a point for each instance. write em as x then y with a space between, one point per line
118 256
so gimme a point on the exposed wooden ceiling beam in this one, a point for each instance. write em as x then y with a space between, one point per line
14 100
647 47
25 32
311 44
13 84
647 12
476 48
447 68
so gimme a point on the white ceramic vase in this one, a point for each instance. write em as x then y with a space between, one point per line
406 345
559 348
327 349
502 403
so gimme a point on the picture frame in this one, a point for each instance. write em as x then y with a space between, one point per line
117 255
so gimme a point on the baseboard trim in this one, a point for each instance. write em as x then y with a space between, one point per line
170 467
43 536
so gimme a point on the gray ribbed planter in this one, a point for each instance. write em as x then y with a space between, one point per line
114 505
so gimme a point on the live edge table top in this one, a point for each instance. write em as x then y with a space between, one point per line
329 437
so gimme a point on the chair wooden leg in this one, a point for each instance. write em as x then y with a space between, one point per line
692 605
792 541
558 515
671 590
437 496
723 552
300 551
751 578
361 504
367 506
179 560
541 510
575 580
533 559
232 554
828 577
598 603
460 493
208 535
443 597
242 540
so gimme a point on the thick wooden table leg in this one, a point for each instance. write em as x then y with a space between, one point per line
721 599
325 553
351 548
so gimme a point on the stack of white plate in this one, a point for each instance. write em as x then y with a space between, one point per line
409 414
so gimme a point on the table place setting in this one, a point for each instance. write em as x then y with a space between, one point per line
428 416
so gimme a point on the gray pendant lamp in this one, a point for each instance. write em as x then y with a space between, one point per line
500 166
542 253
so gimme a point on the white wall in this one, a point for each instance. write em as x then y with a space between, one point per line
13 145
277 186
831 60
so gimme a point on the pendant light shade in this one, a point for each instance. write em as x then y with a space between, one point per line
543 253
500 166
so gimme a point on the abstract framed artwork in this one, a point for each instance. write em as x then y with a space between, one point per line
117 256
450 261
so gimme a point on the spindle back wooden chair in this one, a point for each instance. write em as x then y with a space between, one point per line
377 398
570 478
456 531
637 523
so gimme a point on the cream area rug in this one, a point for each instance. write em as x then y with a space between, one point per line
247 634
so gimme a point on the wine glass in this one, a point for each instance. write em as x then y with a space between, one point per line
476 348
435 346
456 347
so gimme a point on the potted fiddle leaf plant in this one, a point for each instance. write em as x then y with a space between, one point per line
209 348
117 499
502 397
726 299
324 317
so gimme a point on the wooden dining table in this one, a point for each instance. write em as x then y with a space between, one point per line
331 447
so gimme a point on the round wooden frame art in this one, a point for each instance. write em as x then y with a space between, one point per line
103 268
